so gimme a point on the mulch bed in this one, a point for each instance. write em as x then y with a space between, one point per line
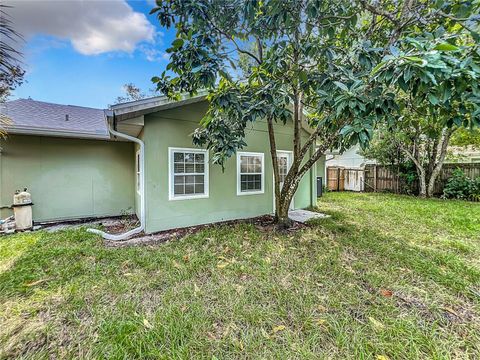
263 223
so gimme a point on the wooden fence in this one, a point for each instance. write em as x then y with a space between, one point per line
335 179
384 178
349 179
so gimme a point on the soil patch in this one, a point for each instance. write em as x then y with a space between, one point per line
263 223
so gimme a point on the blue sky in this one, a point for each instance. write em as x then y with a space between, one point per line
86 59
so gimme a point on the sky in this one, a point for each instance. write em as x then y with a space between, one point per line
81 52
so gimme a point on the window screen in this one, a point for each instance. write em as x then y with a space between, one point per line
251 173
188 173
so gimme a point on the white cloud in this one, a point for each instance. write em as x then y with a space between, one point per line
92 26
153 54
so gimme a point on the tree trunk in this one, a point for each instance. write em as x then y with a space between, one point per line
431 183
282 220
414 156
441 151
422 184
282 200
276 175
283 197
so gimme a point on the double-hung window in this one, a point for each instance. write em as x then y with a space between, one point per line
250 173
188 173
282 168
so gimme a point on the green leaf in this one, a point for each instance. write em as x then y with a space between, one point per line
433 99
378 67
415 59
177 43
407 75
341 85
403 85
347 129
394 50
303 76
446 47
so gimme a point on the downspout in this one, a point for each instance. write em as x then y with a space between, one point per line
139 229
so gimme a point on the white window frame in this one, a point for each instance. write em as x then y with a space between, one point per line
239 191
171 193
138 176
290 154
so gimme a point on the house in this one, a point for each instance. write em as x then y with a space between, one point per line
463 154
138 158
345 171
350 158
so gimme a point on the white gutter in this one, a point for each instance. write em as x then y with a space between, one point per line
139 229
56 133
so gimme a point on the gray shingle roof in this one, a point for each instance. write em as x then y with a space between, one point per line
42 118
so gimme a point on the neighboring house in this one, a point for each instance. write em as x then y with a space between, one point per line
74 168
350 158
351 175
463 154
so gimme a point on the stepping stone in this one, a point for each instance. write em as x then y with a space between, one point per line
305 215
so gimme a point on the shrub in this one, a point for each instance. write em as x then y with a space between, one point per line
460 186
408 172
475 195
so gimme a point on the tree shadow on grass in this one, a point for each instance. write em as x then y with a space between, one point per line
444 268
55 259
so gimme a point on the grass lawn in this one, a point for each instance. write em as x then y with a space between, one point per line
386 275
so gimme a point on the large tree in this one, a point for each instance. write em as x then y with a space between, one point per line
420 141
436 79
11 72
132 93
313 62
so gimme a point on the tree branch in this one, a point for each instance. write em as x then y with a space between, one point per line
378 11
412 157
229 37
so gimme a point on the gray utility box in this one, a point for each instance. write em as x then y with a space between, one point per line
319 186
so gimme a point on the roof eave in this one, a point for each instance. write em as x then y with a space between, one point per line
141 107
56 133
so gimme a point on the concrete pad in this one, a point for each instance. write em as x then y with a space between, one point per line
305 215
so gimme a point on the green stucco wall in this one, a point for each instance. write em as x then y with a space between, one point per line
173 128
68 178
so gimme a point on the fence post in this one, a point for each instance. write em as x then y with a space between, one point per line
338 179
375 178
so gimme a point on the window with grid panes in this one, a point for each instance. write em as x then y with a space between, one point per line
282 168
189 173
250 172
